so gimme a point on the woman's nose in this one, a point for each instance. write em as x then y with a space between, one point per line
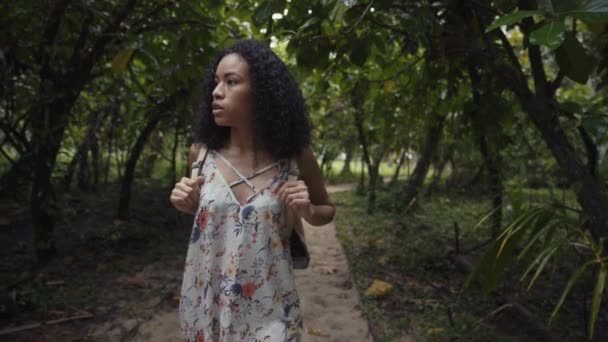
217 91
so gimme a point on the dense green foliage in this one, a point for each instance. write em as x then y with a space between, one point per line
489 99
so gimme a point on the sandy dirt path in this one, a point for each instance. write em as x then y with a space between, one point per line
330 302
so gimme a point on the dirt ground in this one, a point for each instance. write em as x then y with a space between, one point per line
330 302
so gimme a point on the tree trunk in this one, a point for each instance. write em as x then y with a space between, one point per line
361 185
372 167
416 180
373 186
129 173
95 161
174 154
147 165
346 168
48 125
111 149
492 163
540 108
590 193
89 143
437 175
323 160
49 117
83 171
395 177
491 159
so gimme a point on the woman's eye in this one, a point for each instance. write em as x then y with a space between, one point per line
231 82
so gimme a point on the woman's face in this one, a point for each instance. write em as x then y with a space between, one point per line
232 103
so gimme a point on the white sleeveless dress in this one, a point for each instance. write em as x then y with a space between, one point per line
238 282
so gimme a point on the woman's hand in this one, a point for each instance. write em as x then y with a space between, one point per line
295 195
185 195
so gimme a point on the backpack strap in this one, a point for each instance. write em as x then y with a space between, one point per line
294 170
197 166
293 220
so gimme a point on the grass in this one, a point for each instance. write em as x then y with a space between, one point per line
410 252
385 170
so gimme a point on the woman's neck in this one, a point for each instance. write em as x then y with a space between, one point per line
241 146
240 142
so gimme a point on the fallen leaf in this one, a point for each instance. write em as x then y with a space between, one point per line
317 332
327 270
382 260
378 289
434 331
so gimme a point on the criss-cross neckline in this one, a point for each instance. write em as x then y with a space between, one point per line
244 179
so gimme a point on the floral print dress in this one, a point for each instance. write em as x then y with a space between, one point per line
238 282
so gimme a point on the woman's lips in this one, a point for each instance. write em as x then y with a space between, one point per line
216 109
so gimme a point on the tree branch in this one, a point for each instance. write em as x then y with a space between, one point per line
556 83
172 23
536 60
106 37
10 160
49 36
386 26
82 37
511 54
407 68
19 141
150 16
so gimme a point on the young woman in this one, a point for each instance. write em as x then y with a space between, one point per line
238 280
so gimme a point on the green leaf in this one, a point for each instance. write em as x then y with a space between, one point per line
263 12
594 11
541 267
546 6
511 18
359 51
571 107
310 22
483 266
495 260
577 274
122 58
597 298
337 13
550 34
573 59
542 225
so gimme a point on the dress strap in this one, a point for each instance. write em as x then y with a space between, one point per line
245 178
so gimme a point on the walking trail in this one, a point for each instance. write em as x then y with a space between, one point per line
330 302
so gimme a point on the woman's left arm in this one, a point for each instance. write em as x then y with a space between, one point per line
308 196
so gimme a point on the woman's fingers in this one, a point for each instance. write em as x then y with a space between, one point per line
296 196
183 187
290 188
181 197
185 194
189 191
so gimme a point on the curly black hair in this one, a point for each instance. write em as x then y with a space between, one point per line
280 120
